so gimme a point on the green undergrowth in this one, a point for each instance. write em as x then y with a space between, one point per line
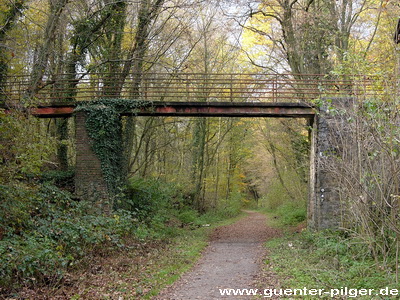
287 214
326 260
45 232
289 203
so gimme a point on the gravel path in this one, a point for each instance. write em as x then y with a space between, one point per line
233 259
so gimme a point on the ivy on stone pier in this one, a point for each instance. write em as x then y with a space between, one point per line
104 127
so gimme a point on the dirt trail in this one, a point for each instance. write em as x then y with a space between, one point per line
233 259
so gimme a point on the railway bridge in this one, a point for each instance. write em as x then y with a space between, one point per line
312 97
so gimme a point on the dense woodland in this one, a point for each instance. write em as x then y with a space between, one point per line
180 169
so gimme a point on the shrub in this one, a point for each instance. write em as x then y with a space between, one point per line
61 179
188 216
232 206
24 149
47 231
149 196
30 260
349 257
17 204
292 213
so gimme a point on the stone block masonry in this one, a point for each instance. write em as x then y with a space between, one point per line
327 201
325 207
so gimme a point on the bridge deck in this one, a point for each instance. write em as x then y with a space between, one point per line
197 109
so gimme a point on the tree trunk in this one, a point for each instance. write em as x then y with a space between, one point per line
62 148
114 36
199 141
147 13
40 65
11 15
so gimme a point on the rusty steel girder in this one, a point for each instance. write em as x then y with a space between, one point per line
198 109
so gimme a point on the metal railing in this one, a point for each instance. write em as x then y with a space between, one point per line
188 87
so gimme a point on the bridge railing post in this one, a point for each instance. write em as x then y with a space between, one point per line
275 88
231 88
187 87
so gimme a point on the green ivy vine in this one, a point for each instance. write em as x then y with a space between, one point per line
104 127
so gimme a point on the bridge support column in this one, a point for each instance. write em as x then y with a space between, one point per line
89 180
324 207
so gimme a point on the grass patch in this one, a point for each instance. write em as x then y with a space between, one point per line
178 258
326 260
287 214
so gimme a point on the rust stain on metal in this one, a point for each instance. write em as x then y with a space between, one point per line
52 112
199 109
